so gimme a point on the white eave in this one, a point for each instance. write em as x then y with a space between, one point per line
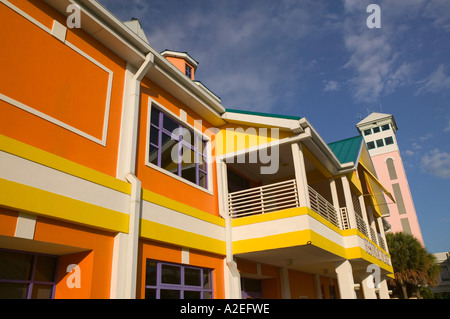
103 26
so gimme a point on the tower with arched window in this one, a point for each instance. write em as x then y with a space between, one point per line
378 130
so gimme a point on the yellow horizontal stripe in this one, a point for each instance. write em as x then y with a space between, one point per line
181 208
296 238
36 201
285 213
42 157
175 236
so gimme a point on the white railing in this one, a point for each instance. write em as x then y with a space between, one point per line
345 221
361 225
373 234
264 199
323 207
381 242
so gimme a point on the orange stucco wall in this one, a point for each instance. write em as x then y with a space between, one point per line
95 261
301 285
271 287
180 64
8 221
157 181
47 76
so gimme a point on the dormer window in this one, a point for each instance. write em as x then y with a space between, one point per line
188 71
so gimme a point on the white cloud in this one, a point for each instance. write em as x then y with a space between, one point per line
436 82
425 137
408 153
378 57
447 129
439 12
330 86
437 163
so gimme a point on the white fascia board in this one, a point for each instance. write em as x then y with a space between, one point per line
107 29
323 152
263 121
116 36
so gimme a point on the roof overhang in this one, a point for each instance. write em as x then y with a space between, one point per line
107 29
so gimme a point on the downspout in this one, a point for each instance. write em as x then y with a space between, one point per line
136 187
234 284
133 236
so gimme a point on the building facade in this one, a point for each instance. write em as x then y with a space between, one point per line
122 176
442 289
379 130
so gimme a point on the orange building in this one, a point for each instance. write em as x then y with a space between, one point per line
122 176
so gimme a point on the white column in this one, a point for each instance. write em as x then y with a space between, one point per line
383 235
345 280
348 201
372 222
384 291
119 266
300 174
363 209
317 286
335 199
285 287
368 286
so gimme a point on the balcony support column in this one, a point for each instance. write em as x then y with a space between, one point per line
383 235
349 202
372 222
335 198
345 279
300 174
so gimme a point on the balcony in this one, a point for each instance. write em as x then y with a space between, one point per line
275 197
264 199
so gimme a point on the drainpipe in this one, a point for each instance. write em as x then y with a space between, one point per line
123 284
234 283
136 187
133 236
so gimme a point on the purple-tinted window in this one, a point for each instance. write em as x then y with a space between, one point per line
27 275
172 281
177 149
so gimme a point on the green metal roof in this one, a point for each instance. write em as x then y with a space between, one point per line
288 117
347 150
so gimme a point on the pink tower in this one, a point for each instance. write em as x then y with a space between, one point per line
378 130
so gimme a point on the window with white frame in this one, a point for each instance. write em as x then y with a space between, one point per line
177 148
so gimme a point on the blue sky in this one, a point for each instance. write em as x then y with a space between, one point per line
318 59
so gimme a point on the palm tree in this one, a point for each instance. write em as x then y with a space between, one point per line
413 265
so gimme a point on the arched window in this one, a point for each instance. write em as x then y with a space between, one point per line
391 168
